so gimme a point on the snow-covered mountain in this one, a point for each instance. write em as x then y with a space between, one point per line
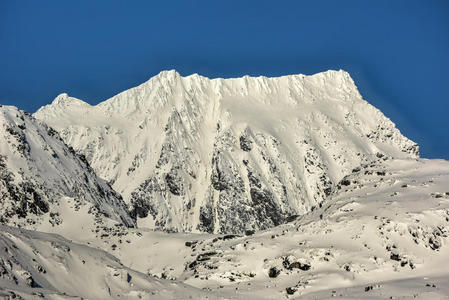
227 155
278 188
38 171
382 234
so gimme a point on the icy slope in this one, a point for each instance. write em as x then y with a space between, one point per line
227 155
37 170
34 265
382 233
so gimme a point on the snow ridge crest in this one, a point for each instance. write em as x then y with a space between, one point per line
228 155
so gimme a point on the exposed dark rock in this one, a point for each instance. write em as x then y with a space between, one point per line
191 243
206 219
249 232
206 255
379 155
345 182
395 257
355 170
174 182
41 269
273 272
245 143
230 236
291 218
266 206
434 243
139 208
299 265
201 259
218 179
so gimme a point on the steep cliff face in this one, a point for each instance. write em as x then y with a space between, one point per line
227 155
37 169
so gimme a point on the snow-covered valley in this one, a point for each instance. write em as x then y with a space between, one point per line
248 188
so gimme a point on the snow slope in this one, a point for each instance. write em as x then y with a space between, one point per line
193 154
35 265
344 205
382 233
37 170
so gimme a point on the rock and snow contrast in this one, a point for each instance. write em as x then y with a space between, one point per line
227 155
37 170
197 188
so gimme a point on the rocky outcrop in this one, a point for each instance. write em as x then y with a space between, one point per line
37 169
228 155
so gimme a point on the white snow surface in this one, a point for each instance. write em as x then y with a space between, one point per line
194 154
352 213
382 236
37 169
36 265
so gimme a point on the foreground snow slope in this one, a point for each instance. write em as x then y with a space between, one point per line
37 170
384 229
38 265
227 155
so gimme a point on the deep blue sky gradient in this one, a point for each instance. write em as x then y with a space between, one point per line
396 51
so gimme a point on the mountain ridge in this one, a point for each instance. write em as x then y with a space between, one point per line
38 169
291 187
172 74
183 150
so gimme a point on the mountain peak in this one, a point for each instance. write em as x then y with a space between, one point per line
169 74
61 97
65 99
192 147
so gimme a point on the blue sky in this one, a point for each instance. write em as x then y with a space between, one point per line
396 51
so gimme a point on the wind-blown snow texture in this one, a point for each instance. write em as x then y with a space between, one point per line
227 155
